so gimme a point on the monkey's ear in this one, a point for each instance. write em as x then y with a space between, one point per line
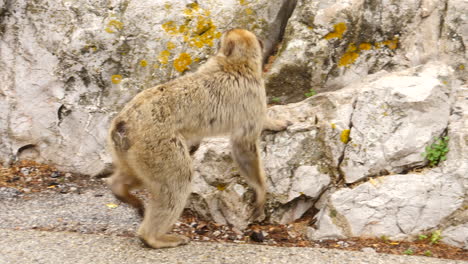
261 44
228 48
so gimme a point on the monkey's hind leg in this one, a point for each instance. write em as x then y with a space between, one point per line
168 178
121 183
246 154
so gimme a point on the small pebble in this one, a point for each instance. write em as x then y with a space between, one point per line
257 236
25 171
55 174
26 190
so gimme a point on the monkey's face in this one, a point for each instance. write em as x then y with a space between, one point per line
240 44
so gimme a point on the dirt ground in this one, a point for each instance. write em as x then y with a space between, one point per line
32 177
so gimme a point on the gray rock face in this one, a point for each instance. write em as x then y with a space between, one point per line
456 235
330 44
384 207
67 67
394 118
391 78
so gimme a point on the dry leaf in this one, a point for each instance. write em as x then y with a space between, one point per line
112 205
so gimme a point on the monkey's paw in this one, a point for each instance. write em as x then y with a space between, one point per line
165 241
277 125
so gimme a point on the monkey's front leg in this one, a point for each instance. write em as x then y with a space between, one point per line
247 156
276 124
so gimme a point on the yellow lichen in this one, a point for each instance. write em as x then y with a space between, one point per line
170 27
242 2
143 63
116 79
248 11
461 67
115 23
113 26
333 125
194 6
170 45
197 30
365 46
350 56
391 44
167 6
338 31
182 62
164 56
221 186
345 136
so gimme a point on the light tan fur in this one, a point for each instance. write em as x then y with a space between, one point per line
152 137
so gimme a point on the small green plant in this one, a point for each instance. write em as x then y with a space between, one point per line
437 151
427 253
311 92
422 237
384 238
276 100
409 251
436 237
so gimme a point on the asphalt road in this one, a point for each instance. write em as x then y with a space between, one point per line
101 236
30 246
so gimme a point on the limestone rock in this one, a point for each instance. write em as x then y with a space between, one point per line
66 67
329 44
394 119
456 236
396 206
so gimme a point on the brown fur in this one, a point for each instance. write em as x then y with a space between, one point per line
151 137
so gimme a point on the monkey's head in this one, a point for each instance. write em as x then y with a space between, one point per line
239 45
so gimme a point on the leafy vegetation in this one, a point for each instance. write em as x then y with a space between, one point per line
422 237
276 100
437 151
311 92
434 237
409 251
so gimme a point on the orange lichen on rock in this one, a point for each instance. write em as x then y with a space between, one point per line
182 62
164 56
116 79
365 46
350 56
113 26
249 11
345 136
198 29
170 45
338 31
143 63
391 44
170 27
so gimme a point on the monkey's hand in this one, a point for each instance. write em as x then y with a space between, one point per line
276 125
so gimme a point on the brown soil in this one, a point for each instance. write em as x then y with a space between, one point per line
29 176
